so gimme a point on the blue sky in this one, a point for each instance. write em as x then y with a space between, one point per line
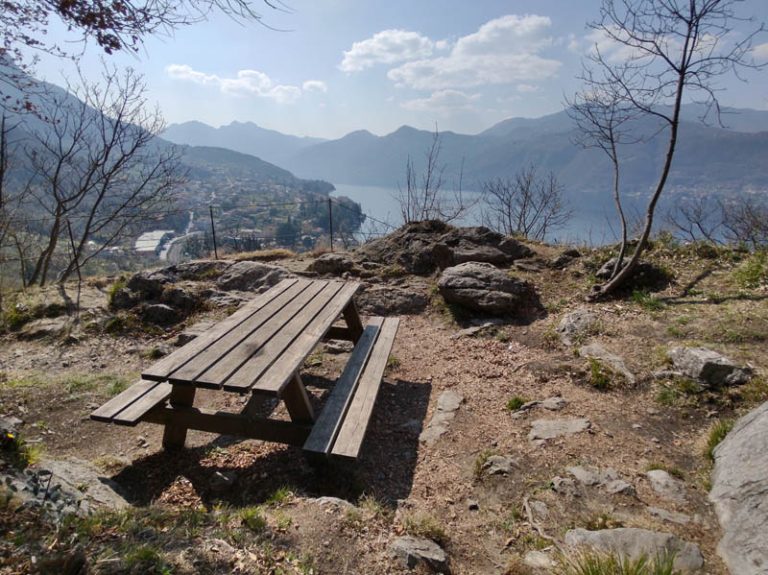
344 65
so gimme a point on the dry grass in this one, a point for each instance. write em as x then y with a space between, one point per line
263 255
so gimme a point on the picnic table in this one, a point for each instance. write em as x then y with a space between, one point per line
259 350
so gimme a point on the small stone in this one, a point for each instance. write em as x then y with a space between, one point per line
499 465
636 426
411 551
543 429
447 405
666 486
472 505
619 486
564 485
539 560
671 516
554 403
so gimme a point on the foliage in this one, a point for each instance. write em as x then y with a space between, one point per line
716 434
599 375
423 525
515 403
253 518
646 300
17 451
754 272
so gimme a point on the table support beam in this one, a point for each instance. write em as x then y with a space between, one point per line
175 432
352 317
297 401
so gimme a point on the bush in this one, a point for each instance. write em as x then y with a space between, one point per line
753 273
716 435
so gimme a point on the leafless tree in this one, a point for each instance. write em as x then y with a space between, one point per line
527 205
745 220
424 196
658 51
697 219
97 165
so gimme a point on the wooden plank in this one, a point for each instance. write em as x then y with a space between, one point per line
297 402
230 424
267 342
160 370
279 373
214 364
123 400
175 432
132 414
329 421
358 416
352 317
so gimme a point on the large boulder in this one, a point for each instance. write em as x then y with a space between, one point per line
388 300
251 276
740 494
160 314
201 269
485 288
708 367
335 264
423 247
576 325
150 283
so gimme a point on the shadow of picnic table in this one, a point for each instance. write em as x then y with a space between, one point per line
385 469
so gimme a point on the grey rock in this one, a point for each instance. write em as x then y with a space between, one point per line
634 543
576 325
483 287
336 346
388 300
616 363
180 298
708 367
543 429
539 509
565 259
124 298
671 516
564 485
554 403
200 269
160 314
499 465
73 474
251 276
589 476
411 551
335 264
10 424
447 405
149 284
666 486
619 487
70 562
539 560
740 494
193 331
333 502
224 299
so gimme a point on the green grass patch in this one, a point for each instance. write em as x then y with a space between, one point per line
647 300
424 525
753 273
280 496
595 563
600 375
480 462
253 518
716 434
18 452
516 402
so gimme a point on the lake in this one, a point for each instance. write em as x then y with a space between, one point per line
593 223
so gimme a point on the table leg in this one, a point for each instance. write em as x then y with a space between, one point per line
175 434
352 317
297 401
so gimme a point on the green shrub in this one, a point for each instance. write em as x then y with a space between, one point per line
253 519
119 284
754 272
516 402
594 563
599 375
718 432
647 301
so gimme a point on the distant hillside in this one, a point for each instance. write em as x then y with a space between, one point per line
245 137
708 159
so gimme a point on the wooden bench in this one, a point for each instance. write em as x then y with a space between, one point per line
341 426
130 406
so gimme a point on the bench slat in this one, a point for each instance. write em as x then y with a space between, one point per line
163 368
355 424
227 355
285 355
326 427
127 407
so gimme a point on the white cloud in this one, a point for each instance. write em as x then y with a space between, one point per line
760 53
386 47
442 101
503 51
314 86
245 83
527 88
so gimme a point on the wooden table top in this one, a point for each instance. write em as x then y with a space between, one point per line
261 346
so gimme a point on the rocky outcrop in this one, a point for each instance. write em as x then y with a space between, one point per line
543 429
740 494
447 405
413 551
334 264
616 363
422 247
483 287
708 367
575 325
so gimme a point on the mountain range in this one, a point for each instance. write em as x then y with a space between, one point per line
710 157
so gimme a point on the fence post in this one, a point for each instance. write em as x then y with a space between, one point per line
330 220
213 233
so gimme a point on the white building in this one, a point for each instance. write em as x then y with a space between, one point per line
150 243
